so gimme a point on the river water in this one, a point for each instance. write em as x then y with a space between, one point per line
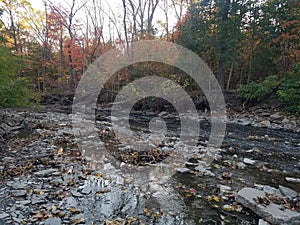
276 153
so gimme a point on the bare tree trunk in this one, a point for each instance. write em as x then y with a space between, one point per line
223 45
62 61
151 9
125 25
181 4
230 76
71 61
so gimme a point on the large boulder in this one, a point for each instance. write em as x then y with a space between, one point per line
272 213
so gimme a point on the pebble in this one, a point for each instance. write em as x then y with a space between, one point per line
18 193
86 190
224 187
76 193
265 123
165 149
53 221
24 202
44 173
183 170
4 215
204 171
37 200
241 165
262 222
248 161
292 180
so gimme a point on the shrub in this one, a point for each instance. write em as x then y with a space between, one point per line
256 91
289 91
15 91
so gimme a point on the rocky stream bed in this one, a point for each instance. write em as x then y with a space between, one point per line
45 179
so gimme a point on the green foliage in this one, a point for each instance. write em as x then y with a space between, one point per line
15 91
257 91
289 91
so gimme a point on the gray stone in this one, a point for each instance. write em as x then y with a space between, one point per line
204 171
53 221
271 213
271 190
241 165
4 215
86 190
166 149
191 164
76 194
224 187
17 220
183 170
18 185
78 216
285 120
18 193
249 161
266 114
244 122
262 222
37 200
287 191
292 180
265 123
276 116
24 202
44 173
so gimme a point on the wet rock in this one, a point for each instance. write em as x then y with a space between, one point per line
271 190
241 165
271 213
248 161
285 120
18 185
86 190
183 170
287 191
262 222
18 193
265 123
44 173
166 149
224 187
203 171
76 193
169 220
292 180
37 200
4 215
276 116
17 220
244 122
24 202
191 164
53 221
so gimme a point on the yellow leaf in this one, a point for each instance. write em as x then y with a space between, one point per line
157 214
216 199
73 210
209 198
147 211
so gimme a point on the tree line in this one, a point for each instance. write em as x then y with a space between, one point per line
241 40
